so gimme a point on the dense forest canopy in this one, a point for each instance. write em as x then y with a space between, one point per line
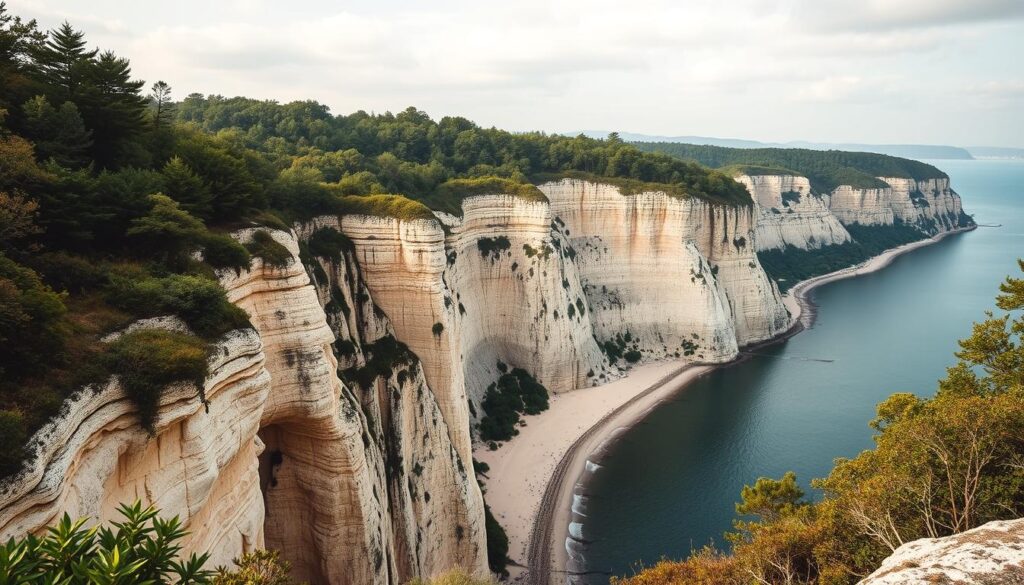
826 169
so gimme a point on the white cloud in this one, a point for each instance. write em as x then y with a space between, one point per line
843 69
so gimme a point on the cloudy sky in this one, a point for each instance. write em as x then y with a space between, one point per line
882 71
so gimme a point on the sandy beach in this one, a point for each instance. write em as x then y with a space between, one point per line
532 478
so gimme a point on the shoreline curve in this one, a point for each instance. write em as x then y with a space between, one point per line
546 547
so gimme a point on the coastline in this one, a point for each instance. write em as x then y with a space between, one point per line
534 495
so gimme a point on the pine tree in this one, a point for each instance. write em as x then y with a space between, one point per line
58 133
163 109
19 40
112 108
187 188
63 62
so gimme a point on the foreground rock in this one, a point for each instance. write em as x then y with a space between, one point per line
992 554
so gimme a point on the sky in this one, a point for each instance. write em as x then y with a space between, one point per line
872 71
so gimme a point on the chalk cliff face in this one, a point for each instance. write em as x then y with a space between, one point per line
929 204
353 485
992 554
340 427
790 215
680 276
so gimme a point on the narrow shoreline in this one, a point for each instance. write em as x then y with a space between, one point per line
546 549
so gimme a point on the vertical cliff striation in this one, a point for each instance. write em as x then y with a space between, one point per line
789 214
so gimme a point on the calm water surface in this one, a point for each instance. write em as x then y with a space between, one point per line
671 483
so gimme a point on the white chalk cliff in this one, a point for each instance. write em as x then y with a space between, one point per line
339 429
791 214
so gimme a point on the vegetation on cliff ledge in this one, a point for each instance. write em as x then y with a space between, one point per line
826 169
940 466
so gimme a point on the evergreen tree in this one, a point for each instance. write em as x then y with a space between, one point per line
63 61
163 108
113 109
58 133
187 188
19 41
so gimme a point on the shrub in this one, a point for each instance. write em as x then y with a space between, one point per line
74 274
266 248
147 360
329 243
383 356
33 327
495 246
260 567
142 548
513 394
632 356
497 544
13 436
223 251
199 301
453 577
395 206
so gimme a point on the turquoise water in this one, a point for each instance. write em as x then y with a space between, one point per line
671 483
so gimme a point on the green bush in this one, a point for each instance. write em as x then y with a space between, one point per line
223 251
383 356
199 301
515 393
147 360
632 356
266 248
497 544
74 274
493 246
13 436
259 567
33 327
140 549
329 243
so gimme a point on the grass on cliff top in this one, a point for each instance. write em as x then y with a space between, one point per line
716 187
448 196
397 206
755 170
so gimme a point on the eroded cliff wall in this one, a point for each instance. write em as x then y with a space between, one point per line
789 214
340 427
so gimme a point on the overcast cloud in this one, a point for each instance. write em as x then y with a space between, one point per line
917 71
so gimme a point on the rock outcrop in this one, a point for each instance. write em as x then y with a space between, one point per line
929 204
992 554
789 214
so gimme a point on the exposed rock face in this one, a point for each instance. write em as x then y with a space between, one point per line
929 204
992 554
200 465
673 273
790 215
352 485
340 428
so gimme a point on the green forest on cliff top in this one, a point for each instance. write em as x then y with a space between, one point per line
826 169
109 189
